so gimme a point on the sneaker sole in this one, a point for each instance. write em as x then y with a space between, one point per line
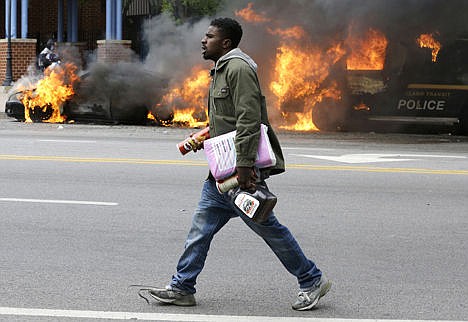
172 301
160 299
326 288
323 292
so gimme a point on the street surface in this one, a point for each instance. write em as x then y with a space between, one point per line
87 210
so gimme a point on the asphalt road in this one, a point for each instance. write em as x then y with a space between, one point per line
87 210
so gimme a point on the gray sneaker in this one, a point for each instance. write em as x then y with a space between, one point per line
171 296
306 300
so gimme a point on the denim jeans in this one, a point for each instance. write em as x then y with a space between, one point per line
213 212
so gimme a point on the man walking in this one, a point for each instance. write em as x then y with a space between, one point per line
236 103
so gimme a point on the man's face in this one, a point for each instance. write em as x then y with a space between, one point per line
213 44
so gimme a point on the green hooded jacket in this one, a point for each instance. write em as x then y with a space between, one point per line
236 103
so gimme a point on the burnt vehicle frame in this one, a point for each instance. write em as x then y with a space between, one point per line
100 99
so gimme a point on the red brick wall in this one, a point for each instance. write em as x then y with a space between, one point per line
91 21
113 51
23 52
42 21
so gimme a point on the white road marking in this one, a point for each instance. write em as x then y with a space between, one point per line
75 202
304 148
67 141
373 158
17 311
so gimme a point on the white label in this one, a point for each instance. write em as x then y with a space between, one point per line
247 204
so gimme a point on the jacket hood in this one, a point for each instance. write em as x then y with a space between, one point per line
237 53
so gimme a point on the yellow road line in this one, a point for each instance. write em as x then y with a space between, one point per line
204 163
97 160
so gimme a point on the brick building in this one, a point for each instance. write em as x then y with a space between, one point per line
91 35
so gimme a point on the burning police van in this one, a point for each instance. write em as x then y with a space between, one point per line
417 88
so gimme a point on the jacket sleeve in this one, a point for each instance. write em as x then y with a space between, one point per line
245 93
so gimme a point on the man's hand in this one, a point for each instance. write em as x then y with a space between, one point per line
246 177
195 144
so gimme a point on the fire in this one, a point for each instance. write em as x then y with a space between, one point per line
303 123
361 107
368 52
300 71
150 116
249 15
50 93
295 32
188 100
301 83
298 81
187 116
428 41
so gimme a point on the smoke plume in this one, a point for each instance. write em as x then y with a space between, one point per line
175 49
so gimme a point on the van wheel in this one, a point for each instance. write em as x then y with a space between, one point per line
329 115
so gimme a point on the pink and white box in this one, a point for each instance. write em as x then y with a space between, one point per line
220 152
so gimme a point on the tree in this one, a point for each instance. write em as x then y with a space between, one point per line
155 6
182 10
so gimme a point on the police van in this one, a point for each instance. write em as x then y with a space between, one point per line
412 92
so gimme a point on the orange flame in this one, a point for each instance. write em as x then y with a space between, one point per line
188 101
298 81
150 116
428 41
295 32
251 16
361 107
367 53
50 93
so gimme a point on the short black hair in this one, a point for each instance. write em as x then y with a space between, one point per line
229 28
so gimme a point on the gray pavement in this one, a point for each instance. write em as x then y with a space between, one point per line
384 215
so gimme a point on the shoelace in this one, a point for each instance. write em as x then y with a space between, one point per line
144 289
304 297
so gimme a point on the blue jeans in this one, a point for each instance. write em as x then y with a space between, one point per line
213 212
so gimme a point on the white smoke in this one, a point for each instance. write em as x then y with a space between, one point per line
173 49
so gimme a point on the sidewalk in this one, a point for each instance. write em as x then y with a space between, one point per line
3 97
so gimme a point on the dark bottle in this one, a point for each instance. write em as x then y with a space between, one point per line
256 205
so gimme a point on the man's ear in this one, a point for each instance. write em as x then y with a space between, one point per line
227 43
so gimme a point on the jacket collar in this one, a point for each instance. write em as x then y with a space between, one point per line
235 53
